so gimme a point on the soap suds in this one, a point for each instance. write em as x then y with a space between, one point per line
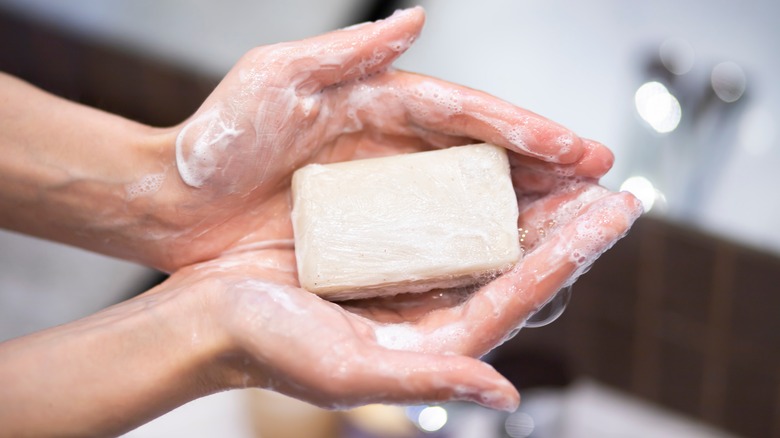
590 240
197 158
565 143
264 105
409 338
148 185
398 337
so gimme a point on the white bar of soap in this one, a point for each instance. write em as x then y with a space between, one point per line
405 223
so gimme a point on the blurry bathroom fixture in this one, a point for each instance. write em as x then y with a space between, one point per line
541 415
757 131
677 55
728 81
658 107
676 174
643 189
700 160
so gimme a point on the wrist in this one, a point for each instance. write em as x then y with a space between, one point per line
186 318
155 198
69 172
130 363
206 323
134 196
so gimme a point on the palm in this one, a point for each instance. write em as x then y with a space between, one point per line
471 321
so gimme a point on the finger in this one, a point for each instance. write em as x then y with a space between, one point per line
595 162
398 100
360 50
500 307
403 377
533 183
556 263
547 215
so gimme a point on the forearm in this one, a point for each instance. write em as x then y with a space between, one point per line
81 176
107 373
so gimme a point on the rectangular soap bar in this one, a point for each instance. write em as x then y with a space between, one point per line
405 223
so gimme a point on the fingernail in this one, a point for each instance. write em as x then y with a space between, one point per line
502 396
399 12
496 399
638 207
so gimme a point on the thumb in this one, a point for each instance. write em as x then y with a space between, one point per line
404 377
362 49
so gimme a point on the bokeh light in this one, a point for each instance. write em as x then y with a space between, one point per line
432 418
728 81
643 189
519 425
658 107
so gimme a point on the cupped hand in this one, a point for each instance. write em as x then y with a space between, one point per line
410 348
330 98
273 335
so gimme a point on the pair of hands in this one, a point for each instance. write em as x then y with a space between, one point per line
334 98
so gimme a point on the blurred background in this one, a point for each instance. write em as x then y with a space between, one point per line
673 333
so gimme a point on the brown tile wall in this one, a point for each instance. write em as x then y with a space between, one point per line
85 71
680 318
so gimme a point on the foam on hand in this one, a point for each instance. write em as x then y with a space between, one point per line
406 223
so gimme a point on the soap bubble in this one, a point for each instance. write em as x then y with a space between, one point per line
551 310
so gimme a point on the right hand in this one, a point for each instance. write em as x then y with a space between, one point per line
412 348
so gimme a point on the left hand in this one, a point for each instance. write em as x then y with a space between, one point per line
325 99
